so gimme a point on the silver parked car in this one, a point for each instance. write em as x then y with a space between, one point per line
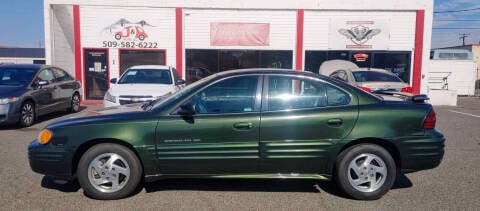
368 79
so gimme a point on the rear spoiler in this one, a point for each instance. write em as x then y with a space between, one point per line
404 96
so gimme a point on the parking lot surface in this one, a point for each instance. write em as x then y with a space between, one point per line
454 185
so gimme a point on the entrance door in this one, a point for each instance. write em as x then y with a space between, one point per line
96 73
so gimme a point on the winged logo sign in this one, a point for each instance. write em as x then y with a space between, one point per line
359 34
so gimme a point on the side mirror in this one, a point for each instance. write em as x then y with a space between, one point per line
180 82
186 109
39 84
113 80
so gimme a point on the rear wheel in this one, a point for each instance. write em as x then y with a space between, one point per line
365 171
27 114
109 171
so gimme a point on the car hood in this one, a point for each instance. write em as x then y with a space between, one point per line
104 115
12 90
155 90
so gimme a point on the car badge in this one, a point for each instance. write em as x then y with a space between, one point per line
135 99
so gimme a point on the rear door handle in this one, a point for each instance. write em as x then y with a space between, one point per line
335 122
243 125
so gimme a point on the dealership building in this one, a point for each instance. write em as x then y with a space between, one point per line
98 40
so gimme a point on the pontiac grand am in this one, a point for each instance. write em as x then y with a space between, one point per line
260 123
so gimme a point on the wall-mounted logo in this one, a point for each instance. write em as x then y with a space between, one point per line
360 32
127 34
124 29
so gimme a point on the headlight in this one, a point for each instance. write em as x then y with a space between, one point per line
4 101
110 97
45 136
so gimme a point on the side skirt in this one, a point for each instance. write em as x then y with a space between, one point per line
151 178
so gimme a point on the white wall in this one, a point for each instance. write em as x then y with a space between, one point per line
401 27
282 27
461 79
62 38
96 22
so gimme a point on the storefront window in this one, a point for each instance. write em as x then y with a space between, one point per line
201 62
130 58
397 62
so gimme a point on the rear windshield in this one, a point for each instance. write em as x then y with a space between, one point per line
370 76
16 76
146 76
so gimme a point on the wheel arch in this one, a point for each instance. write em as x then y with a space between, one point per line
89 144
29 99
387 145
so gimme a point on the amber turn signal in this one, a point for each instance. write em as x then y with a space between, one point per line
45 136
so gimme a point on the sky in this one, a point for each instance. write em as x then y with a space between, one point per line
21 23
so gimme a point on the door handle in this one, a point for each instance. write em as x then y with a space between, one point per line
335 122
243 125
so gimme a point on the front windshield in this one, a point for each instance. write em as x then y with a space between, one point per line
146 76
374 76
16 76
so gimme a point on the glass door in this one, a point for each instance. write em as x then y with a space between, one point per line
96 73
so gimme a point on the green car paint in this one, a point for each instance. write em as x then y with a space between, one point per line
254 143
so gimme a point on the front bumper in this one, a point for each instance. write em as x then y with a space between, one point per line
9 114
422 153
49 160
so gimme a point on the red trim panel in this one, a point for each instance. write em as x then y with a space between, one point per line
78 48
418 52
179 40
299 49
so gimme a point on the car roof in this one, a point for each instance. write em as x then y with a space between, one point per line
26 66
268 71
154 67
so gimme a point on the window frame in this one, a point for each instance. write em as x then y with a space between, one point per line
266 82
257 101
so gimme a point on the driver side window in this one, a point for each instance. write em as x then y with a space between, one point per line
233 95
45 75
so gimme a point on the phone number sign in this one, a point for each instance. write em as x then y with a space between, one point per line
129 44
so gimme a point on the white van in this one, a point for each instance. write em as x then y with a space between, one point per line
142 84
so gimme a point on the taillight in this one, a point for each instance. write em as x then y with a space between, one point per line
430 121
407 89
365 88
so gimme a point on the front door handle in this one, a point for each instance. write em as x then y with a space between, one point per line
243 125
335 122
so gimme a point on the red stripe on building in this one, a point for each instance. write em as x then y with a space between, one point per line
299 48
77 46
418 52
179 40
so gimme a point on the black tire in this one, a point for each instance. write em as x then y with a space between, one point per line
74 103
100 163
365 171
141 37
27 114
118 37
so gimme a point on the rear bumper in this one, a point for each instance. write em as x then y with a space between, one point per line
422 153
49 160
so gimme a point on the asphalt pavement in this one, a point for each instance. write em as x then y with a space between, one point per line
454 185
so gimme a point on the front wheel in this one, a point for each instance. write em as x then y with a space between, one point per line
74 103
109 171
27 114
365 171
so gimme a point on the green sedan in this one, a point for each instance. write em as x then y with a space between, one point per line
257 123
